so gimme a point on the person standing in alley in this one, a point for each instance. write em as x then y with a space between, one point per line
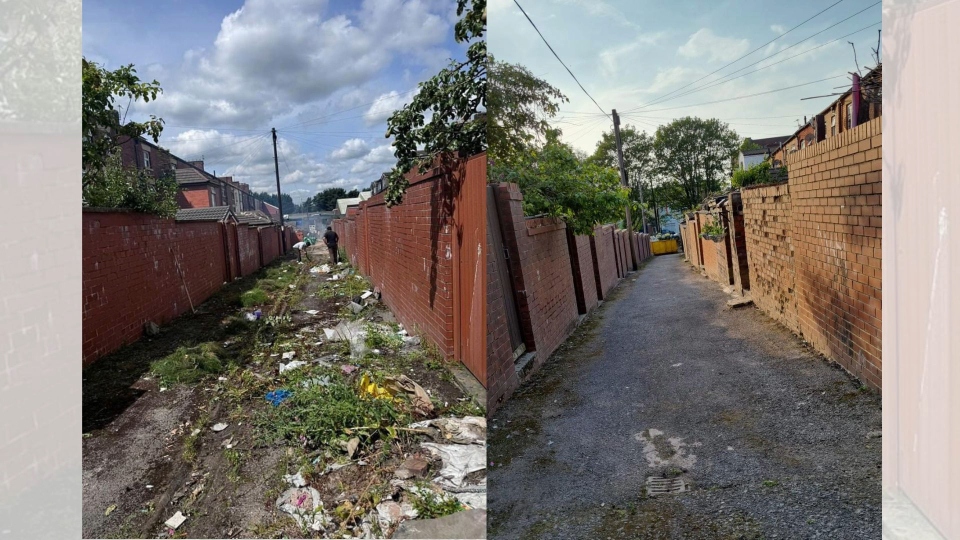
330 238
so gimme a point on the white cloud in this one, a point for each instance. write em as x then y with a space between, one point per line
704 43
778 29
351 149
378 158
610 59
267 61
384 107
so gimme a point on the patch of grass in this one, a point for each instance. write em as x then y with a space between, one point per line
770 483
235 458
191 443
323 416
237 325
382 338
189 364
430 504
254 297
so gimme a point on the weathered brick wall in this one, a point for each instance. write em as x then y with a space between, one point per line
248 241
269 244
768 222
130 274
198 197
584 281
685 241
549 284
229 231
502 377
724 249
836 230
710 258
605 266
624 252
738 245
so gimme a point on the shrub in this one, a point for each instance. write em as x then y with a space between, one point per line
253 297
188 364
759 174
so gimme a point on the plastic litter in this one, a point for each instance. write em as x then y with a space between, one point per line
251 317
276 397
351 331
418 396
110 509
372 389
325 268
466 430
291 366
304 505
316 381
289 355
311 312
219 427
295 480
458 461
348 369
176 520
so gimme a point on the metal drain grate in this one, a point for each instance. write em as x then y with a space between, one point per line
658 485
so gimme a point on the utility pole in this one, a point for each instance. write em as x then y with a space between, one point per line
276 168
623 181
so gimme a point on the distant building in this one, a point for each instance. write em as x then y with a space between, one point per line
311 222
769 145
198 188
344 204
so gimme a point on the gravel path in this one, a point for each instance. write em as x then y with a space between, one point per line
665 380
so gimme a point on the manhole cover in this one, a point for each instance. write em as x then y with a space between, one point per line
658 485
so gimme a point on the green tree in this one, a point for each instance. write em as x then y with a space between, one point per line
289 206
519 106
326 200
454 97
103 127
353 193
138 190
555 181
693 160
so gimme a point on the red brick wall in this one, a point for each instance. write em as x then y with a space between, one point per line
585 283
270 244
835 193
738 245
710 260
813 247
768 220
605 266
549 284
502 377
193 198
229 231
249 246
130 277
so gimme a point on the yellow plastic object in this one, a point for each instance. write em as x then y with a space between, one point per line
372 389
662 247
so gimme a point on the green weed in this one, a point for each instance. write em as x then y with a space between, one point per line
253 297
189 364
430 504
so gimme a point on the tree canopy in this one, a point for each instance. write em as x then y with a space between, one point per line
520 105
555 181
453 98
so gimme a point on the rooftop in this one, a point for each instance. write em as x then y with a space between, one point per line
212 213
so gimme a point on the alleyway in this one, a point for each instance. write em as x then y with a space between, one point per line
665 380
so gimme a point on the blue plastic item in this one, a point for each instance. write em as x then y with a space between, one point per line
277 397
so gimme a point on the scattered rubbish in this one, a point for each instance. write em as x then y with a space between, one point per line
151 328
348 369
389 514
402 332
219 427
274 355
874 434
366 295
376 351
466 430
418 396
316 381
289 355
324 361
411 341
228 444
372 389
677 365
304 505
295 480
195 432
330 333
412 467
176 520
325 268
291 366
353 332
458 462
352 446
110 509
473 500
311 312
292 287
333 467
221 379
335 277
149 486
251 317
276 397
355 307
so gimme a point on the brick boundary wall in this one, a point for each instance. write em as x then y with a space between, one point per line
710 249
814 244
738 245
605 263
131 277
502 378
581 260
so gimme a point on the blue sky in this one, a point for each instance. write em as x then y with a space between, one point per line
325 73
628 53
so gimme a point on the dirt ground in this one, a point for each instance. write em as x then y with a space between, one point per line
149 449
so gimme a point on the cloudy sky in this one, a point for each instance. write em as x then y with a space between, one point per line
637 56
325 73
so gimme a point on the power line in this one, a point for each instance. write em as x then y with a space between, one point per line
744 56
720 81
558 57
